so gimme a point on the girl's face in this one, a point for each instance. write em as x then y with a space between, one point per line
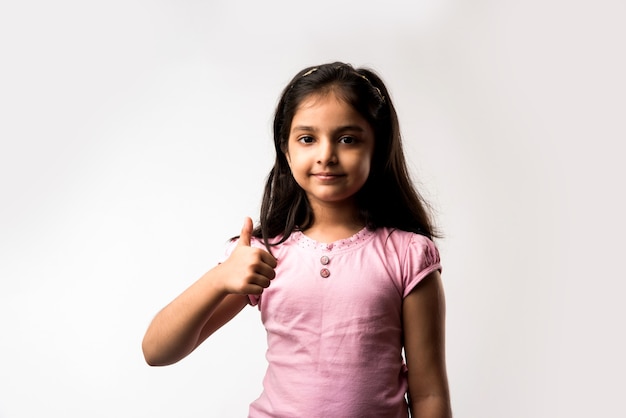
329 150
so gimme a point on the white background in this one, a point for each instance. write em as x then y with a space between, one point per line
135 136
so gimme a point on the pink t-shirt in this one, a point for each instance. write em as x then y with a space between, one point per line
333 316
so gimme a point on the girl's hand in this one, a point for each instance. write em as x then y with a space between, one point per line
248 270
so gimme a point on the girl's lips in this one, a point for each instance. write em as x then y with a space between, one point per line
326 176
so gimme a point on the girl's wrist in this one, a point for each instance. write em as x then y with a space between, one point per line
215 282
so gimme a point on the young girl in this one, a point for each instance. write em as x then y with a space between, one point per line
341 265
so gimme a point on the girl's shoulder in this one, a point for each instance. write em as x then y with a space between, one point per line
406 237
416 256
410 245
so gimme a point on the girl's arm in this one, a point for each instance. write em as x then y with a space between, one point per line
209 303
423 313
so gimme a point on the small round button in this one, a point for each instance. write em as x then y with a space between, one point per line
324 273
324 260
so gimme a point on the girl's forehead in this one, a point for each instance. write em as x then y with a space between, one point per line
325 105
320 99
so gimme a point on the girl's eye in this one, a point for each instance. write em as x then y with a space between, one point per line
306 139
347 140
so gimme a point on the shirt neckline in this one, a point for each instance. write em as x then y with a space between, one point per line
355 240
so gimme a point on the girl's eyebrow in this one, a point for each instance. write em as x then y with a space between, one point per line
346 128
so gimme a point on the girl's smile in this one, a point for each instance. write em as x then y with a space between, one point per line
329 150
327 176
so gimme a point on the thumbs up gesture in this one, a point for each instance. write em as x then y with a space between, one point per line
246 233
248 270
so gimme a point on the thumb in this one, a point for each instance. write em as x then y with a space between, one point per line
246 233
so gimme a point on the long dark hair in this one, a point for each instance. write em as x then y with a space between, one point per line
388 198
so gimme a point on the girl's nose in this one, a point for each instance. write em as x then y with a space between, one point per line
327 153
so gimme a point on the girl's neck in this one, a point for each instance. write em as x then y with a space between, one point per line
333 224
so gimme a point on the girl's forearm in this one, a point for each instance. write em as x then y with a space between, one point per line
175 330
431 407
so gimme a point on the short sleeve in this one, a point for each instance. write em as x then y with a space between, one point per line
252 299
421 259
